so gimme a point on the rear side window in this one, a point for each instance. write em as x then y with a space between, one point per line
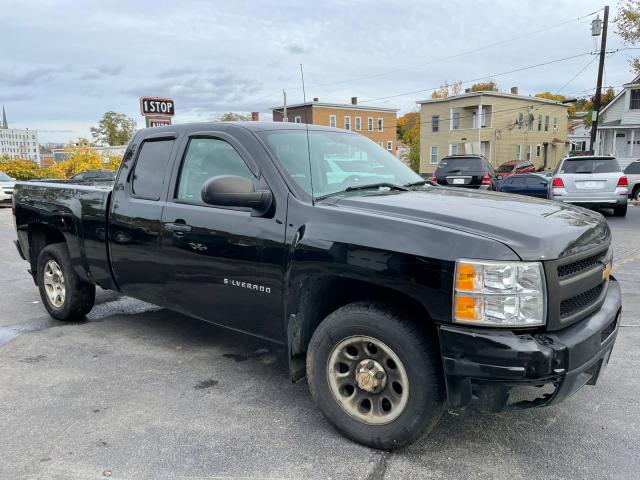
207 158
632 169
148 176
460 165
590 165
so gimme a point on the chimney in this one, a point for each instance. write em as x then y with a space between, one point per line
354 100
467 90
255 116
315 99
514 90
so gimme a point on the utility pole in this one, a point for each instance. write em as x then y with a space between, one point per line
595 31
284 115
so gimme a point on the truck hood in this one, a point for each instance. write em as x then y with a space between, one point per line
534 229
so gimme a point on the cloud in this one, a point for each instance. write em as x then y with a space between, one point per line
297 49
16 77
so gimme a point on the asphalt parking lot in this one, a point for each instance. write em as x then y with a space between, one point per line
138 392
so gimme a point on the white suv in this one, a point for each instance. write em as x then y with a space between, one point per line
6 188
594 181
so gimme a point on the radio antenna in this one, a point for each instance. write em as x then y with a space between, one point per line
304 101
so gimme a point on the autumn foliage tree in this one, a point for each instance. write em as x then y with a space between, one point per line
447 90
409 132
489 86
628 27
18 168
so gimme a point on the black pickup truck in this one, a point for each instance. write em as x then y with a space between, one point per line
395 297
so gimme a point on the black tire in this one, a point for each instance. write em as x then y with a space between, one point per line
414 346
620 211
79 296
636 193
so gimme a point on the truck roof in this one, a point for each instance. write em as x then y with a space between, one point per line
249 125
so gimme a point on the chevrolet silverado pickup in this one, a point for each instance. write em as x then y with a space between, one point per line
396 298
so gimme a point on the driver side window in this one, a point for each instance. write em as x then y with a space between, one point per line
207 158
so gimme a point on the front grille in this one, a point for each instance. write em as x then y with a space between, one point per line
578 302
579 266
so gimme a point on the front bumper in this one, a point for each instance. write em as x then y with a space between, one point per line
491 369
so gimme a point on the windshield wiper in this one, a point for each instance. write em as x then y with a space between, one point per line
391 186
418 184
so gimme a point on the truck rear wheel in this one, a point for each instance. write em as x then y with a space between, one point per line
63 294
375 375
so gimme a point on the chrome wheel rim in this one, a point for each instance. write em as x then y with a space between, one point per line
54 283
368 380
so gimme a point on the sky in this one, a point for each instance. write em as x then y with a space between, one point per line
65 63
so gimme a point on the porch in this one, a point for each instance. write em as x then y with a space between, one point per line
621 141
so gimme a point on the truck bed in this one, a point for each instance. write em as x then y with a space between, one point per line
79 211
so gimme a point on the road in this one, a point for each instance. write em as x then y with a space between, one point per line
138 393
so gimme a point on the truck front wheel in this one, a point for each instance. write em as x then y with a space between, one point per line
63 294
375 375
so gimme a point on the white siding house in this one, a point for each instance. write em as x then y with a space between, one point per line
619 125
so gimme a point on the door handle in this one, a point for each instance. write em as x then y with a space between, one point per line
177 227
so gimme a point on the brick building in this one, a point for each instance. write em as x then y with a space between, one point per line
376 123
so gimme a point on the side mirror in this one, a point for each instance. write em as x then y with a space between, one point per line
235 191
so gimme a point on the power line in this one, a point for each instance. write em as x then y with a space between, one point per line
484 77
576 75
457 55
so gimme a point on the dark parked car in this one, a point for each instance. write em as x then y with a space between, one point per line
514 167
469 171
396 298
93 175
530 184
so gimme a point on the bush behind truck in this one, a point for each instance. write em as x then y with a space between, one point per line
396 298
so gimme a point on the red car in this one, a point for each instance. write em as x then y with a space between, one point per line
515 166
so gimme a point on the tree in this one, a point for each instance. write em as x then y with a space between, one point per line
551 96
489 86
605 99
233 117
18 168
409 132
628 27
114 129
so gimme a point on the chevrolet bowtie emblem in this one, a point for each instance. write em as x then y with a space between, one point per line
606 273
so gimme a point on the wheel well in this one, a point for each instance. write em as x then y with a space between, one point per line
39 237
321 297
636 188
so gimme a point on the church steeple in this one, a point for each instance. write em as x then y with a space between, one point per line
4 119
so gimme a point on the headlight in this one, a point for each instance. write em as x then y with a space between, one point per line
500 294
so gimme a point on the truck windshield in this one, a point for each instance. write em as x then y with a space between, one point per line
590 165
340 162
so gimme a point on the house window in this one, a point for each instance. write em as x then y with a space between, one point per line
434 156
634 104
435 123
531 120
528 152
297 119
555 124
390 145
539 123
370 124
520 119
347 123
455 120
380 124
358 124
453 149
332 121
518 152
538 150
546 123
